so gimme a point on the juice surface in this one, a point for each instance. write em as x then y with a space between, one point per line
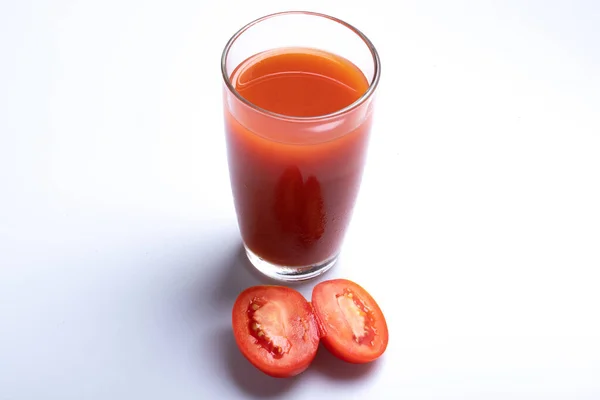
294 201
299 82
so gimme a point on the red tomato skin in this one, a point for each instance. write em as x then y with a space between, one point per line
348 352
303 353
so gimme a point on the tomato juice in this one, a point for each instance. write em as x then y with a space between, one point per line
297 132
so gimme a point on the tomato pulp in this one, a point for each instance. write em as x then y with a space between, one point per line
353 324
295 182
278 331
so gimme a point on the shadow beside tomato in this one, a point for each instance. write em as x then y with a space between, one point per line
327 364
231 277
251 381
237 274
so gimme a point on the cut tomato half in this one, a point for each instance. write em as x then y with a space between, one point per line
354 328
275 329
278 331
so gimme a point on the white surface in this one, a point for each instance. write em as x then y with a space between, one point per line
119 250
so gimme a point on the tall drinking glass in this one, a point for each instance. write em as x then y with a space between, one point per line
298 104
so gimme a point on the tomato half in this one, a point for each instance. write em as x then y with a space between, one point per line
275 329
353 325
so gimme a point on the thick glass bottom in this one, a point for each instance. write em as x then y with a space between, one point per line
288 273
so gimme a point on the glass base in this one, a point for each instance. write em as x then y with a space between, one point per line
287 273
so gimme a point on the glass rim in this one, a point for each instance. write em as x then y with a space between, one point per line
364 97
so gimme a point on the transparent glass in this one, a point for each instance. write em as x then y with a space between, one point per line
295 179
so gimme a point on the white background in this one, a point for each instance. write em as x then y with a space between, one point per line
477 228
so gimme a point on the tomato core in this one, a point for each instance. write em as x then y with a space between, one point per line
266 326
